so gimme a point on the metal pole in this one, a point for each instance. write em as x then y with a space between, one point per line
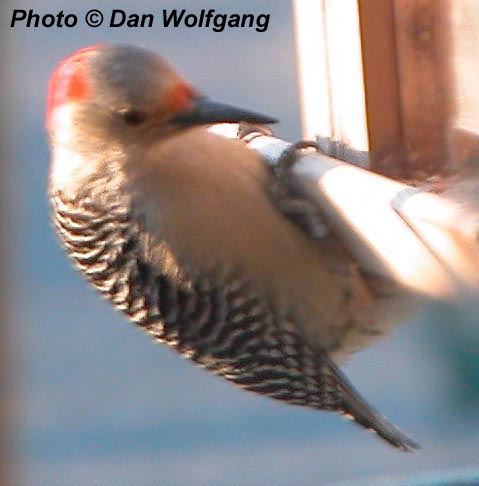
426 243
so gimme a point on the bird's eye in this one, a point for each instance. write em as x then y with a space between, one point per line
132 117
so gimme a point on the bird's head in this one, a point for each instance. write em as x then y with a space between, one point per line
126 94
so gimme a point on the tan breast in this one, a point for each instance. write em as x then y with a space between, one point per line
207 200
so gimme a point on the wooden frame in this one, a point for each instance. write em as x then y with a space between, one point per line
410 63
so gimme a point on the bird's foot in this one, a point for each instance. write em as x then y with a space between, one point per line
298 209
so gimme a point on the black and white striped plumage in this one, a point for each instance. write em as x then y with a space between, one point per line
175 227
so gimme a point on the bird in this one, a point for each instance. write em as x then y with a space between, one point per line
179 229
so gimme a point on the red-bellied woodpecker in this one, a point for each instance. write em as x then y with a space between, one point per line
176 227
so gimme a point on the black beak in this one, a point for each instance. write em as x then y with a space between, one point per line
205 111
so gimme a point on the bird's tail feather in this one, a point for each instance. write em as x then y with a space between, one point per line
355 407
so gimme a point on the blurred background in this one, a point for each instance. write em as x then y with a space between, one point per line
96 402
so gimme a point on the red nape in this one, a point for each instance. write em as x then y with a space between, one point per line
69 81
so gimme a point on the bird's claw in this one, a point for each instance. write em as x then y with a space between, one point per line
289 157
249 131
